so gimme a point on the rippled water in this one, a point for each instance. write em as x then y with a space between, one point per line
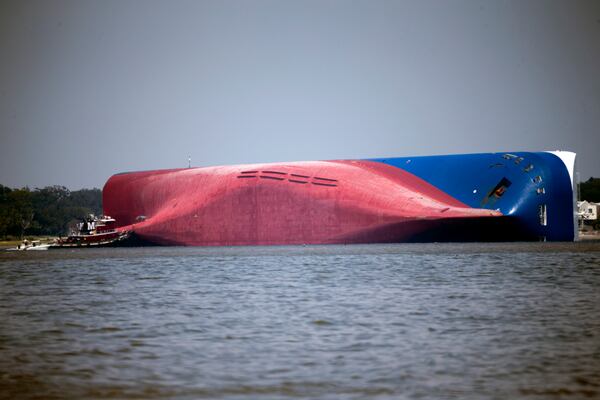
463 321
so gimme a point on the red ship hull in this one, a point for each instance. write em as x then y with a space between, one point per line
321 202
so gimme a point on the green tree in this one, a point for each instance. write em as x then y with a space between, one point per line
590 190
5 218
21 211
45 211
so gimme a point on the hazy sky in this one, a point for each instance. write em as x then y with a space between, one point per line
92 88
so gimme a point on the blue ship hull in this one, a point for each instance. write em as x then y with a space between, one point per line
533 190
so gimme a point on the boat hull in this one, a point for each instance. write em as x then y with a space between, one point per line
114 238
321 202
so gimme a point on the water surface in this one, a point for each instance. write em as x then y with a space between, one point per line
407 321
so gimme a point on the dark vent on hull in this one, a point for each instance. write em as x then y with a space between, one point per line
496 192
271 177
274 172
323 184
325 179
293 178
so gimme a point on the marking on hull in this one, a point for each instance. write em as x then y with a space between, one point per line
323 184
325 179
296 178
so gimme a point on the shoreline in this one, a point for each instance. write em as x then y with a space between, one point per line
7 244
594 235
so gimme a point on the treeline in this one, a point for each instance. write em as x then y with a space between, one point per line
590 190
47 211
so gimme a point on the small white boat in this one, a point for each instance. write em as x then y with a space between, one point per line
45 246
33 245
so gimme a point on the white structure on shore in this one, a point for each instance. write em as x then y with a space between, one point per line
587 211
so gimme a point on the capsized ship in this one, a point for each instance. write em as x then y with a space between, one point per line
525 196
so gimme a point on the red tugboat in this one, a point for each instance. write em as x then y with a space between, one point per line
94 231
